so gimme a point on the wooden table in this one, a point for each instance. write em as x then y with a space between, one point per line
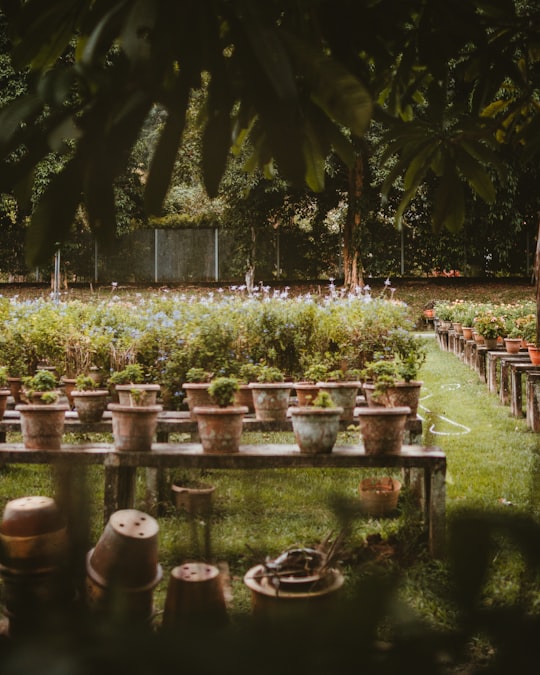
120 469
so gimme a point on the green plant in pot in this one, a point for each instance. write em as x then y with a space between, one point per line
342 384
43 416
220 425
129 382
307 389
196 387
271 394
89 400
316 425
36 386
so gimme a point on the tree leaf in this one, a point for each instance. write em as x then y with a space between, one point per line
475 174
449 201
53 217
162 164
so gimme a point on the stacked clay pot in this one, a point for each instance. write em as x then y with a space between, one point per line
34 554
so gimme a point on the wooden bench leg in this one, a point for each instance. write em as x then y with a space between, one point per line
120 484
435 488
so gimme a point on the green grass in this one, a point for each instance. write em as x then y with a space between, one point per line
492 467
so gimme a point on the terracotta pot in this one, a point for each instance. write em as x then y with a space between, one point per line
134 427
4 394
194 596
382 429
458 327
271 399
379 496
33 534
149 397
467 332
534 354
478 338
244 396
491 343
197 394
42 426
270 603
68 385
306 393
398 395
15 386
315 429
220 429
194 499
90 405
512 345
344 395
126 554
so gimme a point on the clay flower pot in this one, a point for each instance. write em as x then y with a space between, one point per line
33 534
271 399
512 345
306 393
148 398
4 393
123 569
193 498
197 394
42 425
194 596
398 395
220 429
90 405
379 496
244 396
315 429
382 429
134 427
292 600
344 395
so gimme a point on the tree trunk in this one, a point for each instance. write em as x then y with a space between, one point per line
352 266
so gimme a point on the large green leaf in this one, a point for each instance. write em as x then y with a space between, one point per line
449 201
334 88
162 164
475 174
53 217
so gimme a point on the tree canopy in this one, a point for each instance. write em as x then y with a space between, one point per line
448 82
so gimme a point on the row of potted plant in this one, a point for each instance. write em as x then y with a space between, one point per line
169 335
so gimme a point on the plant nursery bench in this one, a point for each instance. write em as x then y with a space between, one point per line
120 469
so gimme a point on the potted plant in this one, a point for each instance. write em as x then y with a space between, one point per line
316 425
271 394
89 400
134 420
307 389
132 378
220 425
491 327
196 387
342 384
5 391
247 373
42 417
